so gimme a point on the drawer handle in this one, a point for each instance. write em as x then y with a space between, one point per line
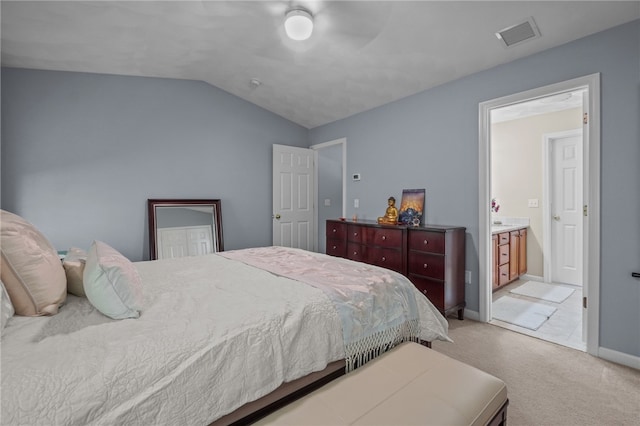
505 254
426 266
355 253
335 230
426 242
384 258
355 234
334 247
424 292
384 237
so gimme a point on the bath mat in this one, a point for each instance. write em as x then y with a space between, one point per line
520 312
544 291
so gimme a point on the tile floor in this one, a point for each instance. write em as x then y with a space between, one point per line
564 327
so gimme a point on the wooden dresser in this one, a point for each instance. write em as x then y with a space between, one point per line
431 256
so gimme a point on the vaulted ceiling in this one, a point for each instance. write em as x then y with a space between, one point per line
362 54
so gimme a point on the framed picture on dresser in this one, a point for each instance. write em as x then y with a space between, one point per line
412 207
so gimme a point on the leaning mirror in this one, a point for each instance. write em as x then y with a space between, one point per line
179 228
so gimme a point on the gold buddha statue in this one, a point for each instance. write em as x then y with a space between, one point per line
391 214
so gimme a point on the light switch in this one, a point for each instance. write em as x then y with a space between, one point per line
327 201
356 203
533 202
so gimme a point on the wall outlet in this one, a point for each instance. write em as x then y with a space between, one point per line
467 277
357 177
356 203
533 202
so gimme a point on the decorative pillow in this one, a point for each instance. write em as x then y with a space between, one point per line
6 308
73 265
30 268
112 283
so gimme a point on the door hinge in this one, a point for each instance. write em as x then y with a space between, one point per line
584 210
584 302
585 118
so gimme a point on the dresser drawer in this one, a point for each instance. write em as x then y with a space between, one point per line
434 290
432 242
336 247
385 257
354 233
503 254
503 238
336 230
383 237
503 274
426 264
356 252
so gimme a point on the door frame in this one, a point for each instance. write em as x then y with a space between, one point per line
316 148
591 196
547 190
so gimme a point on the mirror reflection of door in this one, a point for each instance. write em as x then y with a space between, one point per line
184 231
179 228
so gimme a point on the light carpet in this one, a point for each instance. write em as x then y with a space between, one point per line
520 312
549 292
547 384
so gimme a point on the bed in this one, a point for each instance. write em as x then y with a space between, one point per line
214 333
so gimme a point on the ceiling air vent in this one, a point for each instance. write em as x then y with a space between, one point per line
518 33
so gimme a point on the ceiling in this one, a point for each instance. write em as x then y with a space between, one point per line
361 55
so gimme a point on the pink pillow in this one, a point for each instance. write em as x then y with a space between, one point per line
31 269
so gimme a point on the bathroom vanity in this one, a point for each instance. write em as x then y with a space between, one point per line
509 250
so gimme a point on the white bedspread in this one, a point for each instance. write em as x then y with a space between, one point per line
214 334
378 307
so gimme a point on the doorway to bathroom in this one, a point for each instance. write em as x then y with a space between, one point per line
539 180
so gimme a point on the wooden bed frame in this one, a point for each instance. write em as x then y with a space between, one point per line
283 395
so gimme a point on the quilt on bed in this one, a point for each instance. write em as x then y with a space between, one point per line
378 307
214 334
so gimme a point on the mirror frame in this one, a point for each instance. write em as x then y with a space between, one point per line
151 209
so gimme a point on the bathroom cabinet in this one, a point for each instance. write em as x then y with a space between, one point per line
509 250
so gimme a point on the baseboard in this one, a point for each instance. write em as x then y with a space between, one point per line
472 315
532 278
618 357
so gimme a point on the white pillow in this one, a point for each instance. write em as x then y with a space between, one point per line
6 308
112 283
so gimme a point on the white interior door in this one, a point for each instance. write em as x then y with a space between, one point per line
293 197
184 241
200 240
566 209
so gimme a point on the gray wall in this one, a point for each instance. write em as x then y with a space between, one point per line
82 153
175 217
430 140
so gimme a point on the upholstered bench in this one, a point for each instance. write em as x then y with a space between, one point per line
409 385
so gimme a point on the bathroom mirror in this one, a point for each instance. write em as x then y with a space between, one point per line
179 228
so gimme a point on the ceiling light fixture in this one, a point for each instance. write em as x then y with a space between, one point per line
298 24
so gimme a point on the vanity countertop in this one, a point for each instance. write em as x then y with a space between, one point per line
498 229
